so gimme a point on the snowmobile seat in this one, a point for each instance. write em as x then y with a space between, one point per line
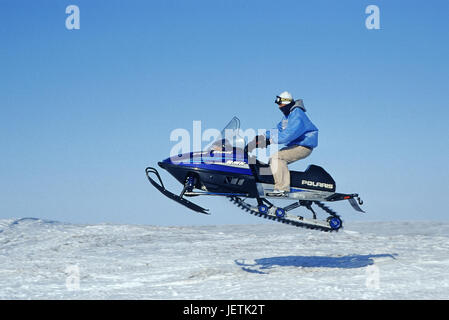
314 177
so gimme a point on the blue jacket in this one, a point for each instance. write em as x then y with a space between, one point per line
296 129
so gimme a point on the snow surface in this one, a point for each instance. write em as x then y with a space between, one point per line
51 260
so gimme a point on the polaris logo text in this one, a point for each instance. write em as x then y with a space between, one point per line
318 184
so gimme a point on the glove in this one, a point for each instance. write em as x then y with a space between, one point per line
259 141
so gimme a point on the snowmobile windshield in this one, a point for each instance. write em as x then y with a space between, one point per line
229 137
234 124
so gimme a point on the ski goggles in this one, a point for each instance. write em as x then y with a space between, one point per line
280 100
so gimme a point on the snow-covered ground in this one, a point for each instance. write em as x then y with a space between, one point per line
52 260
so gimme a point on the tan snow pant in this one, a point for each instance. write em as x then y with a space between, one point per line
279 162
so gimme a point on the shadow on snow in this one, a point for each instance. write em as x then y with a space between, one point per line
345 262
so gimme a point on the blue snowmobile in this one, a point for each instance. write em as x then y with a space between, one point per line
230 172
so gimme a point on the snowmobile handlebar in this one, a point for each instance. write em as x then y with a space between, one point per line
257 142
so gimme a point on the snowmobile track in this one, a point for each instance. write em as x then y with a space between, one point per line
248 208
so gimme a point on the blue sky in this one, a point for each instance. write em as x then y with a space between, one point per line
83 112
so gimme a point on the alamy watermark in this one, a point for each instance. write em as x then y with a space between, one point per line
72 281
372 280
72 22
212 143
372 22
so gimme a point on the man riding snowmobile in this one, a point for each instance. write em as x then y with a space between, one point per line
226 171
296 132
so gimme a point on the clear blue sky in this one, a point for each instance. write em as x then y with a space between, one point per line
83 112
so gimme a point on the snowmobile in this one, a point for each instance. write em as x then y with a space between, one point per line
229 171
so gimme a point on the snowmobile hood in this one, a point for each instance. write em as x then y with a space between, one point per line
223 161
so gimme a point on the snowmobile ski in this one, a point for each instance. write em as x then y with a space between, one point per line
179 199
